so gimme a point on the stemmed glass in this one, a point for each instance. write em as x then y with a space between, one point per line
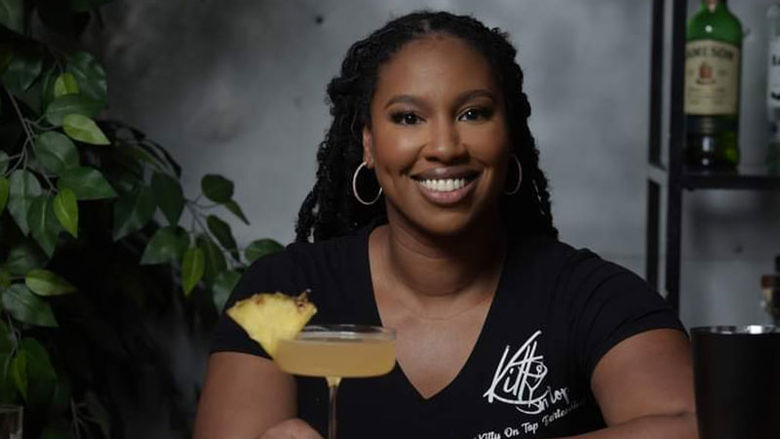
335 352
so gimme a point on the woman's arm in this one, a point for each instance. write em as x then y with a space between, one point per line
243 396
644 387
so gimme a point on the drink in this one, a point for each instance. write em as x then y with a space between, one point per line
773 89
712 70
336 354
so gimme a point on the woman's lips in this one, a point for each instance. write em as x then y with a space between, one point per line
446 191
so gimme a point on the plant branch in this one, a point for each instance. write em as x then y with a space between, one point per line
22 119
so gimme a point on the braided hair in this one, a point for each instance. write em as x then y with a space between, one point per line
331 210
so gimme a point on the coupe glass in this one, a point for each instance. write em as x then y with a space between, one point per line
335 352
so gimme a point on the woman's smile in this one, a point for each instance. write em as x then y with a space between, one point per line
446 186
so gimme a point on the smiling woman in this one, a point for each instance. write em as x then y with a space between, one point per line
501 330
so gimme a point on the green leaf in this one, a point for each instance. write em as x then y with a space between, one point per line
4 186
47 86
221 231
133 211
217 188
6 339
67 211
21 72
24 188
47 283
63 391
81 128
19 373
86 183
214 259
192 269
168 244
65 84
40 373
4 160
89 74
6 53
12 15
62 106
223 285
5 279
56 152
24 306
24 257
236 209
170 197
43 223
261 247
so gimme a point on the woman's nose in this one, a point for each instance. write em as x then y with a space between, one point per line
444 145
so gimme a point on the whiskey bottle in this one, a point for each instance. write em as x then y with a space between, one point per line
712 70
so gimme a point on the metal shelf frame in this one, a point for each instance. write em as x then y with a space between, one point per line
671 176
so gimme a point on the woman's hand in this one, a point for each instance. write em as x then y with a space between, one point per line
291 429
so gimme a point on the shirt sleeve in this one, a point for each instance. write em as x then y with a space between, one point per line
611 304
269 274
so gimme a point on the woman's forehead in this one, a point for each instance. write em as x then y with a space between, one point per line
435 63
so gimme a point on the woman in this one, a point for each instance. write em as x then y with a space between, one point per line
502 331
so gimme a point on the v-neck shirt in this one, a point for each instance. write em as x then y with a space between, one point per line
555 313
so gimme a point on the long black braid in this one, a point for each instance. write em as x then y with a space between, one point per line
330 209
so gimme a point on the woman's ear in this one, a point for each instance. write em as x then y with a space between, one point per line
368 147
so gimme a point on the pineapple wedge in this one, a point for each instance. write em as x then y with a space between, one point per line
267 317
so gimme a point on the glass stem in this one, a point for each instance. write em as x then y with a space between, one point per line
333 388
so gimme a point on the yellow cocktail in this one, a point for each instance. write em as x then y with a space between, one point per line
342 354
335 352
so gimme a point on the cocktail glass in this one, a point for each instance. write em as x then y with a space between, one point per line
335 352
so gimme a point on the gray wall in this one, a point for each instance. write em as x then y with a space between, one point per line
237 88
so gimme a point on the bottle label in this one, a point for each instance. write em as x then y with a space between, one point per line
773 75
711 78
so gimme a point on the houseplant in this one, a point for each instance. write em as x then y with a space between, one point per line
97 239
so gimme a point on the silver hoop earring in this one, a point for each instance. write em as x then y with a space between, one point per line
519 177
355 191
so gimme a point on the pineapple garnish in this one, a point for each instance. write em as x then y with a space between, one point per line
270 317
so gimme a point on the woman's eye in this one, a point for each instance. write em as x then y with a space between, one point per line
476 114
405 118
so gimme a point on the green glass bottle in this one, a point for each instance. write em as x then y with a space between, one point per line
712 70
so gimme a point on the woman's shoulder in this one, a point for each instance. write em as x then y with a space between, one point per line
560 259
306 261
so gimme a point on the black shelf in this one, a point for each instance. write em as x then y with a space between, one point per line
669 175
697 180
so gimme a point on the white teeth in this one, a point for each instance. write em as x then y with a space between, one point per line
444 185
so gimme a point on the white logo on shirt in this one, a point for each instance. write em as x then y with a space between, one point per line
518 379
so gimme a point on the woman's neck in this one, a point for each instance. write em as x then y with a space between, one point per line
438 275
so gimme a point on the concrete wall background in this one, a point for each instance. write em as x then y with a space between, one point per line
237 88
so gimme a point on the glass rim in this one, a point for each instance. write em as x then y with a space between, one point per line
342 330
737 330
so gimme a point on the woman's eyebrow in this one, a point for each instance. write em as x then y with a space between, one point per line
460 100
405 99
476 93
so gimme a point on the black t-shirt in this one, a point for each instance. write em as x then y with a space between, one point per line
555 313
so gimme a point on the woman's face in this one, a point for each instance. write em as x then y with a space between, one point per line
438 137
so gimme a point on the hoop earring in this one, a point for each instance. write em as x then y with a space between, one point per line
519 177
355 191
